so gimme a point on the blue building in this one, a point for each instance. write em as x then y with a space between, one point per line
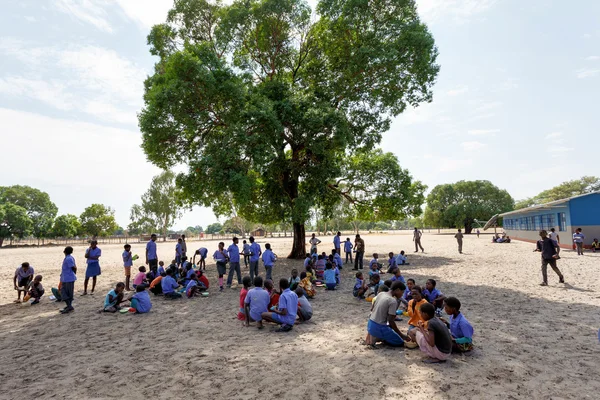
564 215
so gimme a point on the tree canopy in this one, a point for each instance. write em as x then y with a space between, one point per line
282 111
14 222
159 208
66 226
458 204
40 209
98 220
575 187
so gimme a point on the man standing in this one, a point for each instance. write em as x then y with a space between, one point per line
554 236
459 239
359 247
313 244
548 249
337 243
382 322
417 239
578 238
234 262
255 253
151 256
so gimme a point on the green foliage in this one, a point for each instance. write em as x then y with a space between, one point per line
14 222
194 229
67 226
584 185
98 220
40 209
159 209
281 111
238 225
214 228
459 204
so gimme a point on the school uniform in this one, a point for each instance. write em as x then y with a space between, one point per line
255 253
288 300
348 250
151 254
234 264
258 300
67 280
221 259
141 302
93 266
268 258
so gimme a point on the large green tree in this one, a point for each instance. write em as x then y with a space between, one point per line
40 209
14 222
66 226
274 110
98 220
459 204
160 206
584 185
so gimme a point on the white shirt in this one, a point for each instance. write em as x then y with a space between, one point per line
553 235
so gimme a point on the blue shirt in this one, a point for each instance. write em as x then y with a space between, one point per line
127 259
178 250
151 249
578 237
407 294
288 301
393 263
161 269
203 252
307 261
259 300
401 259
398 278
107 300
168 284
373 262
144 304
93 253
234 253
255 251
268 258
338 260
67 274
348 246
358 284
330 276
431 296
460 327
190 285
220 256
336 241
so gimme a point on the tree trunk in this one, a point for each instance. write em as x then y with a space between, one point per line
468 229
299 246
1 241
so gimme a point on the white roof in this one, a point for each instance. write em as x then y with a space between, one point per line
547 206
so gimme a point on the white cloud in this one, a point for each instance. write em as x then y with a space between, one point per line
146 12
482 132
88 79
486 106
30 18
559 149
554 135
88 11
592 58
458 91
458 10
587 35
587 72
424 113
446 164
472 146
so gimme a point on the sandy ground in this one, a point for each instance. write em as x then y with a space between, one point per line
531 342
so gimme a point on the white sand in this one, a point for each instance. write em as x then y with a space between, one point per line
531 342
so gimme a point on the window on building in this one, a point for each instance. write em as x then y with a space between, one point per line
562 219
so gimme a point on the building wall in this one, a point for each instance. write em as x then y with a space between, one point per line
585 211
526 225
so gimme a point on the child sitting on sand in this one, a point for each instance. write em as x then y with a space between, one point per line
407 296
304 307
140 278
140 301
273 293
202 280
392 263
414 307
155 285
397 276
330 282
374 263
433 295
247 282
401 259
36 290
595 245
360 287
432 336
375 283
307 260
194 286
320 267
294 279
256 302
306 285
114 298
460 329
169 285
161 268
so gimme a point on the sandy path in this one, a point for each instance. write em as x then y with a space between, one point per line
531 342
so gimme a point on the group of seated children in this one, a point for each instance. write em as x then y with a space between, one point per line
326 268
139 301
436 337
281 307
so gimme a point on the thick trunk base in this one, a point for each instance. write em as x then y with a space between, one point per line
299 246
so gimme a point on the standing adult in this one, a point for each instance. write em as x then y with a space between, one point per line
234 262
382 322
67 280
459 240
92 255
23 277
255 253
578 238
554 236
151 255
183 246
313 244
337 243
417 239
359 248
548 249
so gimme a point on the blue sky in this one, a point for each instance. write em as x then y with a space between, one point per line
515 102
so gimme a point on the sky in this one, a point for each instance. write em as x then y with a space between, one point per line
515 102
